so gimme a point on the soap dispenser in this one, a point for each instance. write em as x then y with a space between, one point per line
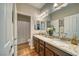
74 40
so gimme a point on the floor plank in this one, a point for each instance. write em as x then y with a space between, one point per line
24 50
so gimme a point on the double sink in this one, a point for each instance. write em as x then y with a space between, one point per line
63 44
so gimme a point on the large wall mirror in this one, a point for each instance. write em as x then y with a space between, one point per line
67 26
40 25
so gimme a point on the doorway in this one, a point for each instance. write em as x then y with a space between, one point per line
23 28
23 31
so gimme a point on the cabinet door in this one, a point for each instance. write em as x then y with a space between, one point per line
6 35
48 52
36 45
41 50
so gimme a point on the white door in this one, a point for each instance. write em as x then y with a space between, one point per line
5 29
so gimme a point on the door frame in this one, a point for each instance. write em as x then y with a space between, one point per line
31 27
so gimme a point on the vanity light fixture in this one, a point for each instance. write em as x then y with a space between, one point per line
55 5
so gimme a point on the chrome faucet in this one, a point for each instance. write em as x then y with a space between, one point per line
63 35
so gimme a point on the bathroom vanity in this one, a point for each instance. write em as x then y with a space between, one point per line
53 47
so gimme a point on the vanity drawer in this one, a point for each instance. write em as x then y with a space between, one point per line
56 50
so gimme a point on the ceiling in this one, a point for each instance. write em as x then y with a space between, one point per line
37 5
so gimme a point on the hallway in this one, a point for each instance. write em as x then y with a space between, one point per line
24 50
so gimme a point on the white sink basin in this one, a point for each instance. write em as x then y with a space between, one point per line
72 47
60 43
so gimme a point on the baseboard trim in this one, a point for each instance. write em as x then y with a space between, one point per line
23 43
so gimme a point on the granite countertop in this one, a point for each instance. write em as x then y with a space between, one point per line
62 45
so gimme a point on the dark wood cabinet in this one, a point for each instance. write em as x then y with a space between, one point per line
45 49
41 50
48 52
36 44
57 52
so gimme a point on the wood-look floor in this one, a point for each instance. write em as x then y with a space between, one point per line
24 50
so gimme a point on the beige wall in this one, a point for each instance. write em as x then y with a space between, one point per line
66 11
